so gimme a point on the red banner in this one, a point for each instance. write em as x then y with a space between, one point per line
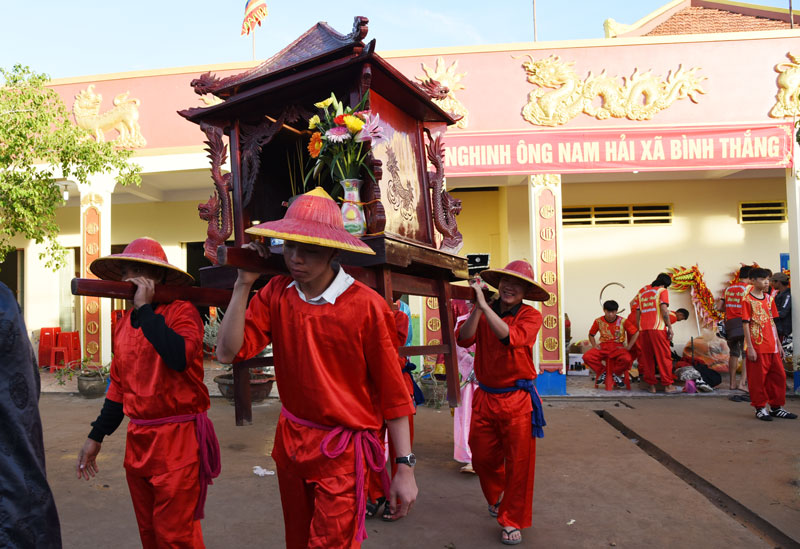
619 150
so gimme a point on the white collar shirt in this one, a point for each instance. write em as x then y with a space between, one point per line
338 286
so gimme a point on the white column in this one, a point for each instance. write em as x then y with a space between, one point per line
97 194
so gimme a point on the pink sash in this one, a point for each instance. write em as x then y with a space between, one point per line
366 444
208 448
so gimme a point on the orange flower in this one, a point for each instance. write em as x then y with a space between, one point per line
315 144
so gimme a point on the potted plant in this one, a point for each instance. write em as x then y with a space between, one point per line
261 379
92 379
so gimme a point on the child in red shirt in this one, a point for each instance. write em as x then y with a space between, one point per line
171 452
766 377
613 348
506 410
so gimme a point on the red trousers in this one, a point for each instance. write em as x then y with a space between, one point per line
164 507
318 494
655 350
617 358
504 454
766 380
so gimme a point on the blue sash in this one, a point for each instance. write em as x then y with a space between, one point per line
419 398
537 415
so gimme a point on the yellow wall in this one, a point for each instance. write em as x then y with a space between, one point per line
705 231
481 226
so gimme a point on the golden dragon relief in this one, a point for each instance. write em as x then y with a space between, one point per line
451 80
787 101
639 97
123 117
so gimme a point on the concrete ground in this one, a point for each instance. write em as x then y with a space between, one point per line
614 469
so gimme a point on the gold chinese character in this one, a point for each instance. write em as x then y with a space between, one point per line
548 233
548 277
550 321
552 301
547 211
548 256
551 344
434 324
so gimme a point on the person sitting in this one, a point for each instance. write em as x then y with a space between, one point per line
613 353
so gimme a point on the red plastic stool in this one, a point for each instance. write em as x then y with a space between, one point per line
610 379
47 340
54 365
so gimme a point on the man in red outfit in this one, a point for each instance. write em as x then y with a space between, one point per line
655 333
506 410
613 349
732 303
336 364
171 452
766 377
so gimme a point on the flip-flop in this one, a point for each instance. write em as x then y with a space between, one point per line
507 539
373 506
739 398
387 513
493 509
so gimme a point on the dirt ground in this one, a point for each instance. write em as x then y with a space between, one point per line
595 486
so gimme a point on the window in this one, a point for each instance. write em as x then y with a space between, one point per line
636 214
762 212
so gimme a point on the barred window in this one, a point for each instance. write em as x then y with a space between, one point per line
632 214
762 212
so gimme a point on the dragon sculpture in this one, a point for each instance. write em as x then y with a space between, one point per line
640 97
400 196
445 207
123 117
441 85
217 211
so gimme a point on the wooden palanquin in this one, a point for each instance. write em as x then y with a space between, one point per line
410 216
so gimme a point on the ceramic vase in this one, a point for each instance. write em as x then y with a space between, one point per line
352 212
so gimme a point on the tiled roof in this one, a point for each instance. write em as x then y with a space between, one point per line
700 20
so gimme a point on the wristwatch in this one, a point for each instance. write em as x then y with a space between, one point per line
410 460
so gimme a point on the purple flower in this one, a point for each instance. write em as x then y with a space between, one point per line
372 130
337 134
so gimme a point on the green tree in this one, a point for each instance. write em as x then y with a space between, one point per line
39 144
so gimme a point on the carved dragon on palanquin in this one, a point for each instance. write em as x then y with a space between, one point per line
217 211
571 96
445 207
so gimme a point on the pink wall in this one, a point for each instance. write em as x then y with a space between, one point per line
740 86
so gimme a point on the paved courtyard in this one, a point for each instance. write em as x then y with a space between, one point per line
614 470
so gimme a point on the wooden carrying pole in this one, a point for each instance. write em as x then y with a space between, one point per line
202 297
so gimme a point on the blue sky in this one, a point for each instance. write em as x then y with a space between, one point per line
86 37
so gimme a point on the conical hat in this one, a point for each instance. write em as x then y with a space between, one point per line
313 218
141 250
521 270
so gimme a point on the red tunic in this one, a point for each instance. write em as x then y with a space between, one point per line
148 389
503 450
649 302
335 364
758 314
734 297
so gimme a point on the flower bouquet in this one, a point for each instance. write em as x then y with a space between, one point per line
340 144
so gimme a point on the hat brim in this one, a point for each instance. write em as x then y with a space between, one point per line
309 232
534 292
110 268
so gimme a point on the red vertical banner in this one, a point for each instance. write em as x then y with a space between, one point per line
433 332
547 262
91 316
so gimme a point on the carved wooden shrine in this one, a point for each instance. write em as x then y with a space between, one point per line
410 217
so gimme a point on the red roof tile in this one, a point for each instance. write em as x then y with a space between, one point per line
700 20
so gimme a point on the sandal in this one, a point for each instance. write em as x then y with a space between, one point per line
387 513
494 509
373 506
505 536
